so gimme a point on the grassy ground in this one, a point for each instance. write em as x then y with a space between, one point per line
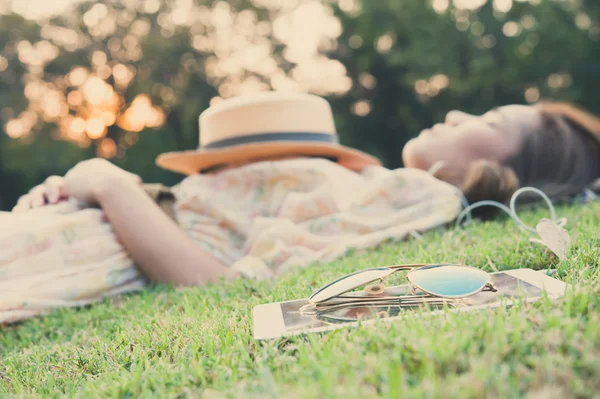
198 343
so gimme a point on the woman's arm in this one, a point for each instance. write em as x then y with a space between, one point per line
159 246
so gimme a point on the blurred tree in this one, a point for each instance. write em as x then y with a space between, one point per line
99 79
127 79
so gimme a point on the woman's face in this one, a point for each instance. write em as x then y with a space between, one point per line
464 138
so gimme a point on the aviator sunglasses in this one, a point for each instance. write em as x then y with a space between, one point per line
432 284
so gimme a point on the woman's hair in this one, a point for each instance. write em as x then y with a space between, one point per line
561 159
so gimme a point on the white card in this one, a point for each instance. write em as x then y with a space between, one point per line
554 237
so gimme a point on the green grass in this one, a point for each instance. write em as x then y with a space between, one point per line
198 342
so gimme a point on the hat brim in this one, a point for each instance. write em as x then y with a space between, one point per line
193 162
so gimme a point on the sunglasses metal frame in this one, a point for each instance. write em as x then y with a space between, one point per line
340 301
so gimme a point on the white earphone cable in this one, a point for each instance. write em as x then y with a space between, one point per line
510 210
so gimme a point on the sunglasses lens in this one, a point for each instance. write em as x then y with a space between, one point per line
349 282
449 280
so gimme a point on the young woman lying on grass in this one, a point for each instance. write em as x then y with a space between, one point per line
270 189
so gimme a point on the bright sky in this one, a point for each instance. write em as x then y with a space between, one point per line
44 8
35 8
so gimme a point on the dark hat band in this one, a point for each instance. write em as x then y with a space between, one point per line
265 137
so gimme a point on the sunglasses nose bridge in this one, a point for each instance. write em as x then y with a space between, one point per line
409 266
489 286
413 288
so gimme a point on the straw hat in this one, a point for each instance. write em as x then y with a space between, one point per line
265 125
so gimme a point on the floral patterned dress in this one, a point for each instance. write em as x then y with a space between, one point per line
261 219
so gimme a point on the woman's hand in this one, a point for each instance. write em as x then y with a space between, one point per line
85 182
95 177
49 192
